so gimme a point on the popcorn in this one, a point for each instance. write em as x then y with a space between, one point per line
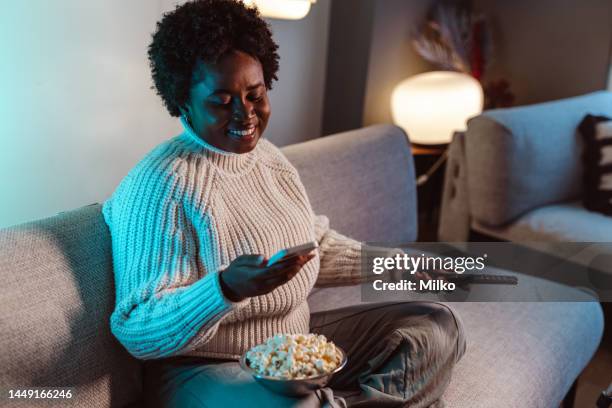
294 356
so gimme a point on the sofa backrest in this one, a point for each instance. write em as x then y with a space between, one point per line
363 180
56 298
525 157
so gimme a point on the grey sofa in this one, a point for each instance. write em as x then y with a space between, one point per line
57 292
516 175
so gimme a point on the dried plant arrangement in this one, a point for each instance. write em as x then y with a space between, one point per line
455 38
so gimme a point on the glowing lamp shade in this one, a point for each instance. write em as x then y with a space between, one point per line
430 107
282 9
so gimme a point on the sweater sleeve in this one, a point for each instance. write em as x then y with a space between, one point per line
163 299
340 256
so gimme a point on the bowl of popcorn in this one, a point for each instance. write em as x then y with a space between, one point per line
294 364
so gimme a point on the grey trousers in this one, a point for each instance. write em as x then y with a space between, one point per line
400 354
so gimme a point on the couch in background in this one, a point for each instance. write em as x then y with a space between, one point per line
57 292
516 175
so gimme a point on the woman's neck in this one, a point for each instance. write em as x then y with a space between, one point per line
227 162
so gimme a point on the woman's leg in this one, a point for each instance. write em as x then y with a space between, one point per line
400 354
192 382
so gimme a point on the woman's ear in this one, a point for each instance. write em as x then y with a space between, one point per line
186 111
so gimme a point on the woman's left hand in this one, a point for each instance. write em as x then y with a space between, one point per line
249 276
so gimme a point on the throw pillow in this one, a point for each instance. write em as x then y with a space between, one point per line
597 163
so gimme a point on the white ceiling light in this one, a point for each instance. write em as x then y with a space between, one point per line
282 9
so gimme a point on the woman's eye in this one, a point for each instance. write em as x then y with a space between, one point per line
220 101
257 98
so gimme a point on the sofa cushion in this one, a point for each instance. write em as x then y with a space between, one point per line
566 222
519 354
523 354
525 157
57 297
596 132
363 180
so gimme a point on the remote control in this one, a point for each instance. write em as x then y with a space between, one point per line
477 278
487 279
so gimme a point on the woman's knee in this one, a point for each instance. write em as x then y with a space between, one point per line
452 323
446 327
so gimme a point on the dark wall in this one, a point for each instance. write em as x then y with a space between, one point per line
550 49
392 57
546 49
350 33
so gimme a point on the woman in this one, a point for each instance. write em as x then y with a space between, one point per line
194 222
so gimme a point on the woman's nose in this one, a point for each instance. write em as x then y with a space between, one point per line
243 110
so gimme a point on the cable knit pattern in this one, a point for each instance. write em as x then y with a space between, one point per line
180 216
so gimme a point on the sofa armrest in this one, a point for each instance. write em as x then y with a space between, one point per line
525 157
455 213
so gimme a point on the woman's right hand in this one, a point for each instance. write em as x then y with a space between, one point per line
248 275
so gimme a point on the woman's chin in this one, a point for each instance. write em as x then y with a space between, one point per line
244 144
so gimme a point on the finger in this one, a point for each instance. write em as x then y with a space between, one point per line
280 268
270 272
306 258
299 264
293 271
285 263
251 260
272 283
298 261
281 279
282 275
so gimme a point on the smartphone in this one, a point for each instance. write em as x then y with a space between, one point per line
292 252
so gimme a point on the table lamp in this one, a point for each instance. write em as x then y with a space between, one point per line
430 107
282 9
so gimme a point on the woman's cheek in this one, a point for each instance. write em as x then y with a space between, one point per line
219 120
263 114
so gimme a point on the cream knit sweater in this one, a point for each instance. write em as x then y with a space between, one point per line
180 216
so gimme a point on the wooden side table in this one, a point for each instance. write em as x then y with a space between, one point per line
421 150
429 194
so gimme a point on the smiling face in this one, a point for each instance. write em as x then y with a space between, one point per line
228 104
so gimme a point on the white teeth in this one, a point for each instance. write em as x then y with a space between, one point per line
246 132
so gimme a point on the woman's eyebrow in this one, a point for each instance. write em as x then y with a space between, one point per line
257 85
249 88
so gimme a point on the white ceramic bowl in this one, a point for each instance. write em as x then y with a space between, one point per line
294 388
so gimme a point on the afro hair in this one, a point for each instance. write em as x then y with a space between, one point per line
205 30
